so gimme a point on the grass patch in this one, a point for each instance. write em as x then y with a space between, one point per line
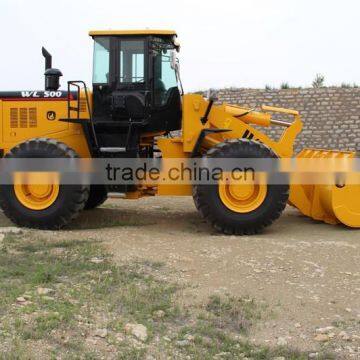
236 314
107 218
215 333
85 286
87 292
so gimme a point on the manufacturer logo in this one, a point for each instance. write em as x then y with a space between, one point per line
51 115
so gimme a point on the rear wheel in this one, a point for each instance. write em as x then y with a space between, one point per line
48 204
241 207
98 195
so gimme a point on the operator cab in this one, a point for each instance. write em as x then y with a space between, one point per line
136 84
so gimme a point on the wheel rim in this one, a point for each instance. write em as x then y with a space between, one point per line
243 195
36 191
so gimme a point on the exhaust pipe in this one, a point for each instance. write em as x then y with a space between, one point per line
52 76
48 58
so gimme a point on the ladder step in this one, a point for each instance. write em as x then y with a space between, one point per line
112 123
112 149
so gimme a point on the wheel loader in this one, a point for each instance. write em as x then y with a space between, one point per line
134 107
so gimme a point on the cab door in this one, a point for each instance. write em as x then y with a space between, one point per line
120 69
104 82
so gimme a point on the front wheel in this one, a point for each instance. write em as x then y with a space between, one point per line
49 205
243 208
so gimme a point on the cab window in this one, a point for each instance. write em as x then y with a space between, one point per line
164 76
132 64
101 60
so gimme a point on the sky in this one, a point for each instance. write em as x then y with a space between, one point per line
228 43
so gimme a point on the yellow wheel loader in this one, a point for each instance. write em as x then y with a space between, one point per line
135 104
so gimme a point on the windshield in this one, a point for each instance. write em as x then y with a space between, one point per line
101 60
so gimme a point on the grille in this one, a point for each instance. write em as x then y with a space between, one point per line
23 118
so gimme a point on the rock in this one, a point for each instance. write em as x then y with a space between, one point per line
57 251
222 354
183 343
96 260
348 310
119 337
298 325
91 341
281 341
313 355
137 330
159 314
189 337
344 336
324 330
321 338
21 300
102 333
279 358
150 357
10 230
48 298
44 291
166 339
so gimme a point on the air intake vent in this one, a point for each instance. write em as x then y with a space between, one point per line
14 118
32 117
23 118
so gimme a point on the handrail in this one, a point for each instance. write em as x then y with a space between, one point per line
76 83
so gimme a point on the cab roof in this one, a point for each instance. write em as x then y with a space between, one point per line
131 32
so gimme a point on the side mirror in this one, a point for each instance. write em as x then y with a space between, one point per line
176 43
212 95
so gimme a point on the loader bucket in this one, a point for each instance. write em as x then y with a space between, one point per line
337 199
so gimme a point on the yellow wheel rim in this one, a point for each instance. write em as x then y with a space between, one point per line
36 191
244 195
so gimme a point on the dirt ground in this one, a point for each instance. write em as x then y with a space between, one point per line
307 273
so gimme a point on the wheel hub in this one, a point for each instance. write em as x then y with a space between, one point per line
242 196
241 192
36 191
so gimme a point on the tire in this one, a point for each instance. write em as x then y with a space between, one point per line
98 195
221 217
69 202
